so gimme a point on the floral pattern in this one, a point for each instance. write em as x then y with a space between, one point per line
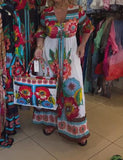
17 68
25 92
71 108
54 64
20 4
70 86
35 92
52 27
42 93
47 104
70 27
18 36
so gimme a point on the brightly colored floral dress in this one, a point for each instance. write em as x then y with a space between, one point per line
60 48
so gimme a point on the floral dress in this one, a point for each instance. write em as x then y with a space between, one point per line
60 48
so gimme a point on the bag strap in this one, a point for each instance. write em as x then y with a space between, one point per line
44 66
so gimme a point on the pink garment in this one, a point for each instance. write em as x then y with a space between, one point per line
105 61
112 36
111 42
106 4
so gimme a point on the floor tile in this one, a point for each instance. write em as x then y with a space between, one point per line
25 150
90 105
108 152
106 123
95 99
115 104
19 136
119 142
63 149
26 123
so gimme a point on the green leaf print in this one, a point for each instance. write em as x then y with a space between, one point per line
52 55
68 55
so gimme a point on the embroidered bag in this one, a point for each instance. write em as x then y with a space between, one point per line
36 91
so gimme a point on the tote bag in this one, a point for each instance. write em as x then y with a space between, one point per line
39 92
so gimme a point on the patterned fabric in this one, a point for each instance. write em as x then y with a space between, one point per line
97 4
5 141
14 62
2 74
82 3
60 48
52 28
21 4
89 9
29 21
39 93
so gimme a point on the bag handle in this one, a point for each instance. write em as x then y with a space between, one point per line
44 66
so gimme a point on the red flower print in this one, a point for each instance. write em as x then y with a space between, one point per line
51 117
74 130
25 92
62 125
67 69
69 128
53 31
17 71
20 4
48 9
28 80
18 36
32 1
45 118
17 68
82 129
71 108
60 105
42 93
8 80
50 81
39 117
55 67
45 81
33 81
70 27
23 80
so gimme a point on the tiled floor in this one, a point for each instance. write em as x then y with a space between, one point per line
105 120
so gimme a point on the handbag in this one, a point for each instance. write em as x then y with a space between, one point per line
36 90
115 66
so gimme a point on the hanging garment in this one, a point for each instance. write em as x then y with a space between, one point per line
60 48
29 21
106 4
82 3
119 2
114 61
2 74
5 141
14 62
97 4
89 9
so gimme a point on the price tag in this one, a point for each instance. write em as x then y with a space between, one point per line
36 66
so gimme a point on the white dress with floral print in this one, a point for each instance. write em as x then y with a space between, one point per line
60 47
